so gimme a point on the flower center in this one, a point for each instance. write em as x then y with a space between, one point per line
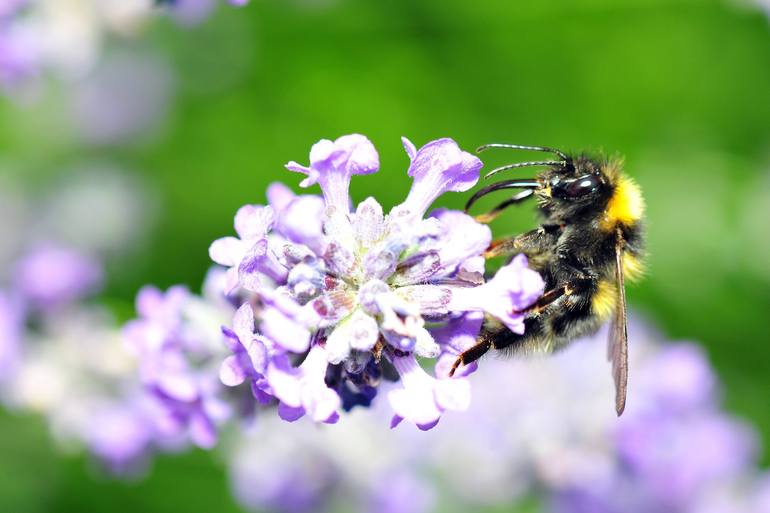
367 295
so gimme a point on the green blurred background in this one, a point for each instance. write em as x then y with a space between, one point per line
680 88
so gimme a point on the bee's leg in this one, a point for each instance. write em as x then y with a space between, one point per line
573 289
547 299
553 298
471 355
534 242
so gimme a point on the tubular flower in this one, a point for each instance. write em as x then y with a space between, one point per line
344 295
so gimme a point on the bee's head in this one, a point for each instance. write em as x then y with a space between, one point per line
576 187
568 188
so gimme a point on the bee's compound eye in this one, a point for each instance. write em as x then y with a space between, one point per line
582 186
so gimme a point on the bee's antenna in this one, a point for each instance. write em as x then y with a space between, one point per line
523 183
524 164
546 149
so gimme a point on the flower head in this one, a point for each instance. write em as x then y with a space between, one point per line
343 295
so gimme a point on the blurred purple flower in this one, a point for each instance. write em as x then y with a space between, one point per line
193 12
50 276
283 474
673 447
188 397
761 499
120 436
11 329
351 287
684 380
20 55
404 493
10 8
123 97
677 457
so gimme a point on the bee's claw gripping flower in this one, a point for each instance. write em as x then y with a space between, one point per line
337 290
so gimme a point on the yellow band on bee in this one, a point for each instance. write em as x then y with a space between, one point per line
626 206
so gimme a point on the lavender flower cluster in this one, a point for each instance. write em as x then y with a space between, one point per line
38 37
541 429
336 299
122 393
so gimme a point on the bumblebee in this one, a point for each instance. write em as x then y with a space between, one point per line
591 239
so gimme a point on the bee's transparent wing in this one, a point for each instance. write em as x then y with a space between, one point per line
617 348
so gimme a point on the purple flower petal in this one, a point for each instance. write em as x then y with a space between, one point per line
424 398
287 323
457 335
359 331
462 238
253 221
302 221
279 196
304 387
290 413
259 262
231 372
438 167
409 148
333 163
227 251
510 291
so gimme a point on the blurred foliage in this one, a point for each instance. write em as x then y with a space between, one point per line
680 88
